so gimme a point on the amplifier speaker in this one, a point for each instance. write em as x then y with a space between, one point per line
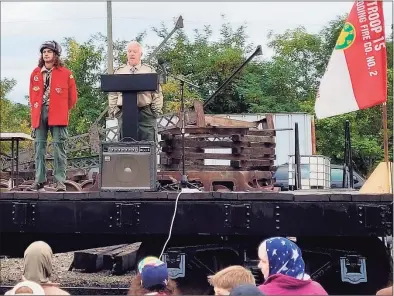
128 166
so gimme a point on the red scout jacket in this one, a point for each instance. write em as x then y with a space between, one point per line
63 96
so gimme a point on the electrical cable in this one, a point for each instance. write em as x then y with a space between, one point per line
171 225
266 24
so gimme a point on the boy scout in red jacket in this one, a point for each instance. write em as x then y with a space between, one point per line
53 94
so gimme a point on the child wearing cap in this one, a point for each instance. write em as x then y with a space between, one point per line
152 279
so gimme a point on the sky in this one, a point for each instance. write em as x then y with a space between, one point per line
25 25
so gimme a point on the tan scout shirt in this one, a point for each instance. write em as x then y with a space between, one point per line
155 98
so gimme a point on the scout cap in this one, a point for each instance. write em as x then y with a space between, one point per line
51 45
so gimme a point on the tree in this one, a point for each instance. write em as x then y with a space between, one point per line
299 61
86 63
14 117
209 63
297 51
6 87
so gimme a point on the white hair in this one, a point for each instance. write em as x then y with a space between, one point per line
135 43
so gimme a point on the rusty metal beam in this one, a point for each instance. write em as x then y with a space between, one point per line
225 180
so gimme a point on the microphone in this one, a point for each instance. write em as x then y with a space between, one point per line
163 77
161 61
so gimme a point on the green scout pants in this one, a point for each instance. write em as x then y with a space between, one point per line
59 135
147 124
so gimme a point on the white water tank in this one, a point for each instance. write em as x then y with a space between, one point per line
315 172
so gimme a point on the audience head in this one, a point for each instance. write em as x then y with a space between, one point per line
227 279
246 290
26 288
38 262
281 255
154 273
385 292
153 278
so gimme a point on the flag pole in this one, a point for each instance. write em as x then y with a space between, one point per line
386 147
385 133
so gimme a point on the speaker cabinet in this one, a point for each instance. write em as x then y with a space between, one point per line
128 166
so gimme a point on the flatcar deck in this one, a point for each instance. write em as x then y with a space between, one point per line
301 213
300 195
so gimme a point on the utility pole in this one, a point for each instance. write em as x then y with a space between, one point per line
110 58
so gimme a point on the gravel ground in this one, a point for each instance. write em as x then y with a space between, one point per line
12 269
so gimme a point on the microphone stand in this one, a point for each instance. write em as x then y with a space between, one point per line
184 180
184 177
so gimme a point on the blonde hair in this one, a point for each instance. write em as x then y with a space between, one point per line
231 277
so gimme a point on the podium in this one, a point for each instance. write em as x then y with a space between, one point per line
129 85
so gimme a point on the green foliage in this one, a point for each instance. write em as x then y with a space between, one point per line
297 51
209 63
302 58
14 117
6 87
85 61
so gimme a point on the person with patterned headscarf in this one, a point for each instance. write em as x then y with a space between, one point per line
284 269
152 279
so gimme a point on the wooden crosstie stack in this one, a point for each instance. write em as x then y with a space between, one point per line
252 145
250 149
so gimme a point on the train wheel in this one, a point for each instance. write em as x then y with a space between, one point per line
20 188
4 186
28 182
87 184
72 186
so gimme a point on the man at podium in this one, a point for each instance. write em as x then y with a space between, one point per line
150 103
